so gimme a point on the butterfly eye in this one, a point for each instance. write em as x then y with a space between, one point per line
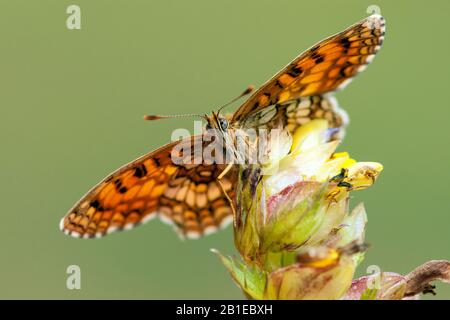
223 124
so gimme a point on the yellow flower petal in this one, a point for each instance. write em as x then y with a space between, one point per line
362 175
309 135
319 257
343 156
299 282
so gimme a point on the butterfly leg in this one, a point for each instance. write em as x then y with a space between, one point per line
222 174
230 201
225 171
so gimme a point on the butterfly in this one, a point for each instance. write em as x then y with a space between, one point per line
195 197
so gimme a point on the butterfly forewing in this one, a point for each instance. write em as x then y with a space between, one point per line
324 68
186 195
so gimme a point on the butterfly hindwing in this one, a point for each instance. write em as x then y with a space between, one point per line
298 112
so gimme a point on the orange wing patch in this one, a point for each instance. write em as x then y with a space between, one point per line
326 67
186 196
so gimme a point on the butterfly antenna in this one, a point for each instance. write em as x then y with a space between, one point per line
243 94
159 117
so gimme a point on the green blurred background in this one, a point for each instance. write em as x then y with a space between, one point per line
72 102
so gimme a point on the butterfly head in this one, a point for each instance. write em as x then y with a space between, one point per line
216 121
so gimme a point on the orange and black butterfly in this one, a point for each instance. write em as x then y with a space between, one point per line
191 196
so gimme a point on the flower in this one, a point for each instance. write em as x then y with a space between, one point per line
295 234
315 272
299 196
